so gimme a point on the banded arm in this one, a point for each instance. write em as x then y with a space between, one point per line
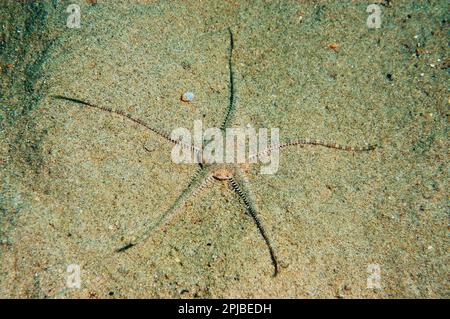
232 103
197 183
244 193
315 142
129 117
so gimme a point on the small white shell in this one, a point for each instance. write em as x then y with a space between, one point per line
187 96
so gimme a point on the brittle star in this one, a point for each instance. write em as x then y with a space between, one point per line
233 174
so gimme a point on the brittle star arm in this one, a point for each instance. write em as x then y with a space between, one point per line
232 105
127 117
240 188
198 182
314 142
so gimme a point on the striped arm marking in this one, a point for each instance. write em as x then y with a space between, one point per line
130 118
316 142
199 178
251 209
232 106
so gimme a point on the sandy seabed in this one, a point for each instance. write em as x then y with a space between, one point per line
76 183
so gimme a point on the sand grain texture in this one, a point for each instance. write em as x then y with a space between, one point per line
77 184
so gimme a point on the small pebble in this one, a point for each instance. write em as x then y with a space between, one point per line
187 96
334 46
